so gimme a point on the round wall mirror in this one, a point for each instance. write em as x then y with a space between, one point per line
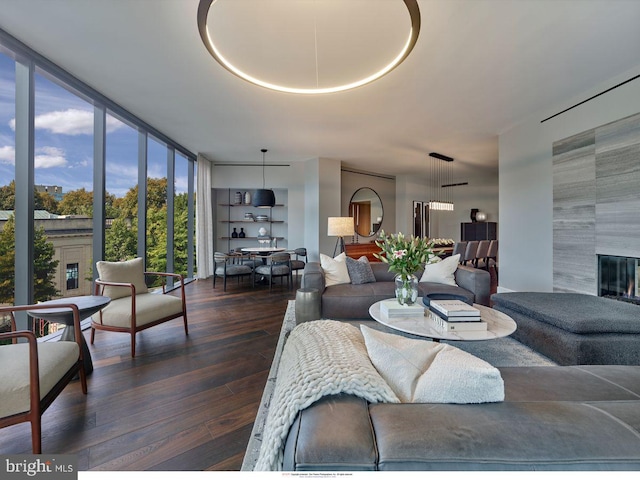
366 209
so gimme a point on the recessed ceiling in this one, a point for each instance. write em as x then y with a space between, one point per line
479 67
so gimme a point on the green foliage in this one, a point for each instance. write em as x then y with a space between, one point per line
43 270
77 202
44 201
7 261
180 234
157 239
156 193
8 196
404 255
121 241
41 201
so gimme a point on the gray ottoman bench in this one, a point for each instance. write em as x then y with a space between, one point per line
573 328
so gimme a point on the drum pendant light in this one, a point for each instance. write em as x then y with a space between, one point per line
264 198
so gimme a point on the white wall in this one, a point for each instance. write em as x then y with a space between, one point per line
526 180
329 178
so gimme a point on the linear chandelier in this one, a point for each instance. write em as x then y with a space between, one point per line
440 174
204 10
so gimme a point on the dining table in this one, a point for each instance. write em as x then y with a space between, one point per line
263 252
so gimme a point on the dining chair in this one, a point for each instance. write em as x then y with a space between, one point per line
296 263
459 249
133 307
481 254
492 256
470 252
278 265
34 373
230 266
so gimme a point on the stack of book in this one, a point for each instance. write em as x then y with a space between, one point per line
391 308
456 315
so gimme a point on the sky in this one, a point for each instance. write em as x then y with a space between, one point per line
64 141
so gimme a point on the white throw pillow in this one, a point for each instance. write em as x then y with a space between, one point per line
442 271
419 371
130 271
335 269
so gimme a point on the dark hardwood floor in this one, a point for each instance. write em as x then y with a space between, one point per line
184 403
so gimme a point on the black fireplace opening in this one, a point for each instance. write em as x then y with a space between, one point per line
618 278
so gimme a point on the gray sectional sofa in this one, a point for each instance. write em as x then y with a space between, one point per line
348 301
578 418
553 418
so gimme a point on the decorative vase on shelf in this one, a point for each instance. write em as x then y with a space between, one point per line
247 198
234 234
406 288
238 198
241 234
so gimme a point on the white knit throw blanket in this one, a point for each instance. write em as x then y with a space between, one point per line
320 358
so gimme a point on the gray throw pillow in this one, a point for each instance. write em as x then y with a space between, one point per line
360 271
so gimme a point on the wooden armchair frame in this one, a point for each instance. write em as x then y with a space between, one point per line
38 406
133 328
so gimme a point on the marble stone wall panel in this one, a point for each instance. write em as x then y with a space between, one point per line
574 193
618 188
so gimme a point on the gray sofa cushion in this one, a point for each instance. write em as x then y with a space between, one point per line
505 436
340 421
553 418
574 312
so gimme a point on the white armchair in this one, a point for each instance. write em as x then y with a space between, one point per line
133 308
34 373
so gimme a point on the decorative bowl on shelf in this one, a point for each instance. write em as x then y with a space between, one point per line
262 218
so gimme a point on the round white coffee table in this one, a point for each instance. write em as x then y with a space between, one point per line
498 324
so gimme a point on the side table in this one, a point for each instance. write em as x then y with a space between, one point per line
87 306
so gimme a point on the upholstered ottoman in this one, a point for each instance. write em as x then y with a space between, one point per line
573 328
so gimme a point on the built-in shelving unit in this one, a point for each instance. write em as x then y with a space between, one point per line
230 216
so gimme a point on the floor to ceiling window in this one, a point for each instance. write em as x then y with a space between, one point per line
63 177
7 177
181 215
121 184
156 206
59 146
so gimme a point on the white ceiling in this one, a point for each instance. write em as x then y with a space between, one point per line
479 67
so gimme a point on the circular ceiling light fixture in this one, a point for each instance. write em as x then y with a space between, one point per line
298 46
